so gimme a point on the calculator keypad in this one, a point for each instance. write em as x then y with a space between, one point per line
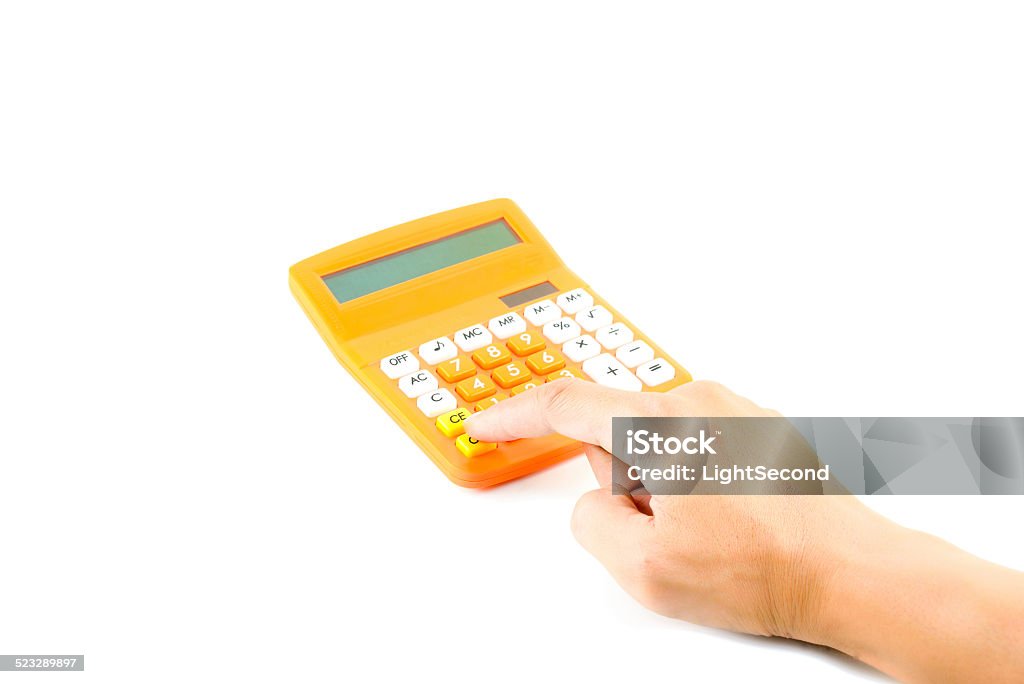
476 388
561 330
436 351
472 338
397 365
542 312
507 325
506 354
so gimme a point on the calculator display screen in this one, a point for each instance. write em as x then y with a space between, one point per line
420 260
529 294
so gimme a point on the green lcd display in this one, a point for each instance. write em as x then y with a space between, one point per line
417 261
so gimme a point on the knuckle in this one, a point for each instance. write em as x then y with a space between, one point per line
706 389
648 583
558 395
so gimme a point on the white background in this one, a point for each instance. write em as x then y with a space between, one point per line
818 206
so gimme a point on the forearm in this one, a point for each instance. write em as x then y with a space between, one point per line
923 610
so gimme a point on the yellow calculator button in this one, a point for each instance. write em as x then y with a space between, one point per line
564 373
526 343
456 369
544 362
522 388
489 402
511 375
490 356
473 447
475 388
451 423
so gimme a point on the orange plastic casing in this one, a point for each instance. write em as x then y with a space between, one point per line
363 331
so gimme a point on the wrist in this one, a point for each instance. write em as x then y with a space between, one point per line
917 607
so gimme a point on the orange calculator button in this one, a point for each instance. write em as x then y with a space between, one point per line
564 373
450 424
489 402
522 388
473 447
511 375
475 388
544 362
526 343
456 369
490 356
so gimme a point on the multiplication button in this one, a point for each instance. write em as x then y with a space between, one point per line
581 348
397 365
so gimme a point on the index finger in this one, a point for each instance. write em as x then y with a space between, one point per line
574 408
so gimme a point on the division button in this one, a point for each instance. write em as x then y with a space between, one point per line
613 336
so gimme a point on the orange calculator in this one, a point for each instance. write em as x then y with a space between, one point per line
455 312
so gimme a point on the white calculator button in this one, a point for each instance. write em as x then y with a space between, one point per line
542 312
608 371
581 348
508 325
634 353
436 351
612 336
437 402
472 338
397 365
415 384
575 301
593 318
562 330
656 372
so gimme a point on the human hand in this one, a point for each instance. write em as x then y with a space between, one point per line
824 569
753 564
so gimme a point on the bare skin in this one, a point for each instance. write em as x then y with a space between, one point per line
822 569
